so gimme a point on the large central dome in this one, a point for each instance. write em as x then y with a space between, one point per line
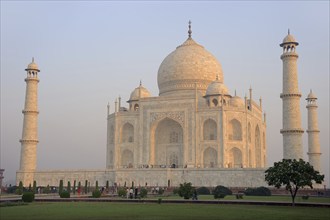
186 66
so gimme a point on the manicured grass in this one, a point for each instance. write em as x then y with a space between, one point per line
106 210
281 198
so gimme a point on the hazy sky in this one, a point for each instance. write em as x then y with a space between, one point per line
90 52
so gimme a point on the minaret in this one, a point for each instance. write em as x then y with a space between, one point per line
29 139
292 131
314 152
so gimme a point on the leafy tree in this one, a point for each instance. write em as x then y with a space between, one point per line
60 188
143 192
186 190
293 174
34 188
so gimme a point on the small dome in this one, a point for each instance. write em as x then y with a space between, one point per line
139 92
216 88
289 39
311 95
236 101
32 66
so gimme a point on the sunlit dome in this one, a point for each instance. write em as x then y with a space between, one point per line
237 101
188 67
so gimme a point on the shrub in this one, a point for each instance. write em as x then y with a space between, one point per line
12 189
143 192
203 191
260 191
28 197
221 192
46 190
96 193
65 194
159 200
161 191
305 197
176 191
122 192
186 190
20 188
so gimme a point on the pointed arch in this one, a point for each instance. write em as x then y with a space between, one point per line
257 147
167 143
127 159
235 130
111 135
210 130
210 158
249 133
127 133
235 158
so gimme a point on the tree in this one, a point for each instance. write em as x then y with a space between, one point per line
20 188
186 190
293 174
97 185
34 189
86 190
74 188
69 187
60 188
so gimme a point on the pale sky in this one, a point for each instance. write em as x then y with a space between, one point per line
90 52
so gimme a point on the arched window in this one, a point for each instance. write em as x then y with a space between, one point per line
235 158
210 130
111 135
136 107
127 159
173 160
127 133
167 140
174 137
249 133
215 102
210 158
257 147
235 130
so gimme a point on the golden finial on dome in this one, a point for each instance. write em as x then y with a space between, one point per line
189 31
140 82
288 31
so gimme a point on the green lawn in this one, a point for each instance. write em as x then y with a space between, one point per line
107 210
282 198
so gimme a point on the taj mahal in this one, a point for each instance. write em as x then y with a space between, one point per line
194 131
